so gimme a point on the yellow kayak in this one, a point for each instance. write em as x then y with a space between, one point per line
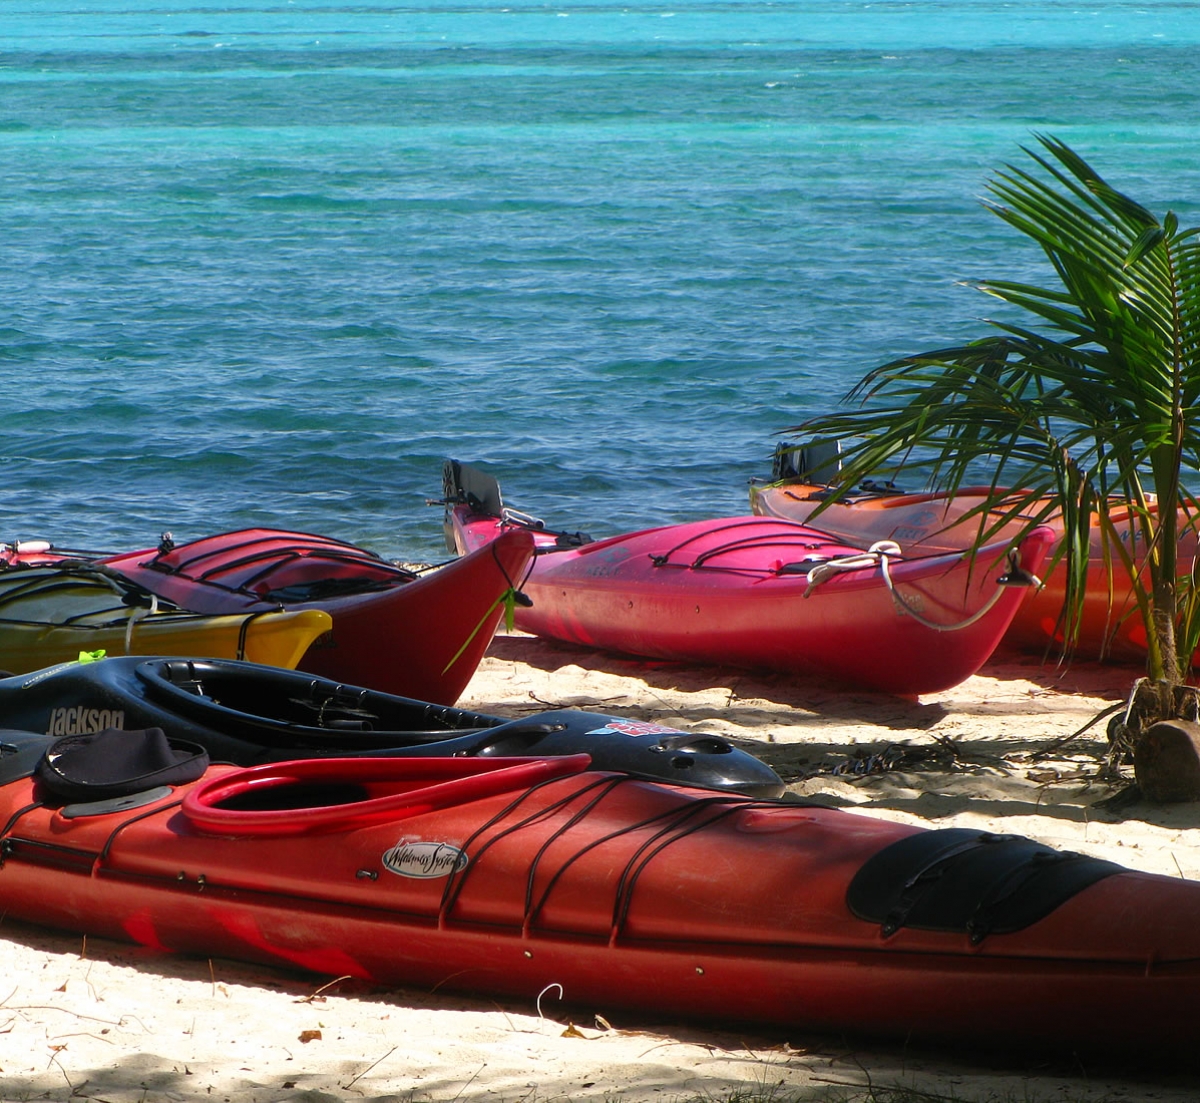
49 615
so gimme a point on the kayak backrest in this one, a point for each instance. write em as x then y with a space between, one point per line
818 462
469 486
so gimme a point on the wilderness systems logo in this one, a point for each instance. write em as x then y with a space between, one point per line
84 721
424 860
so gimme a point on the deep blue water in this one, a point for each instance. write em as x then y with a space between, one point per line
270 262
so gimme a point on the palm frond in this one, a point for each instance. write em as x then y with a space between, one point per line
1092 420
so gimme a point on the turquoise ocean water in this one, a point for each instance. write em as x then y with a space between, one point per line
269 261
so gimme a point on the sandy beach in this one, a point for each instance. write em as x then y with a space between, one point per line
91 1019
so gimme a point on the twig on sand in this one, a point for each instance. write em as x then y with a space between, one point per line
1058 744
346 1087
319 994
474 1076
553 984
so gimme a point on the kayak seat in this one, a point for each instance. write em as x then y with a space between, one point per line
270 706
325 589
296 797
960 879
311 796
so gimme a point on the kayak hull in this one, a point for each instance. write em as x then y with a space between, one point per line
630 894
426 638
742 592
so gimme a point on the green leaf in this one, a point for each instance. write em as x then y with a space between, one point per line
1149 238
509 600
1091 409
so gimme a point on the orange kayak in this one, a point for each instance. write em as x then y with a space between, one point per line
504 876
934 522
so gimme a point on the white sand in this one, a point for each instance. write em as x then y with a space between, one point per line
98 1020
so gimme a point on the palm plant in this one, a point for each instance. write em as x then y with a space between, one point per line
1088 420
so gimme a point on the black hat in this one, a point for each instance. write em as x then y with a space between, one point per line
114 763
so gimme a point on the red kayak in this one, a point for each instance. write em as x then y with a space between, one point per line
760 593
505 876
411 634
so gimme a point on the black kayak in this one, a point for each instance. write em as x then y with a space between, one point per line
247 714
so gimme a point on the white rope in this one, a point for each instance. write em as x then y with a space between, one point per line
137 615
877 555
982 611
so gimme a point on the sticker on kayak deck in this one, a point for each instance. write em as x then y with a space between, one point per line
604 562
424 860
633 727
48 672
83 721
